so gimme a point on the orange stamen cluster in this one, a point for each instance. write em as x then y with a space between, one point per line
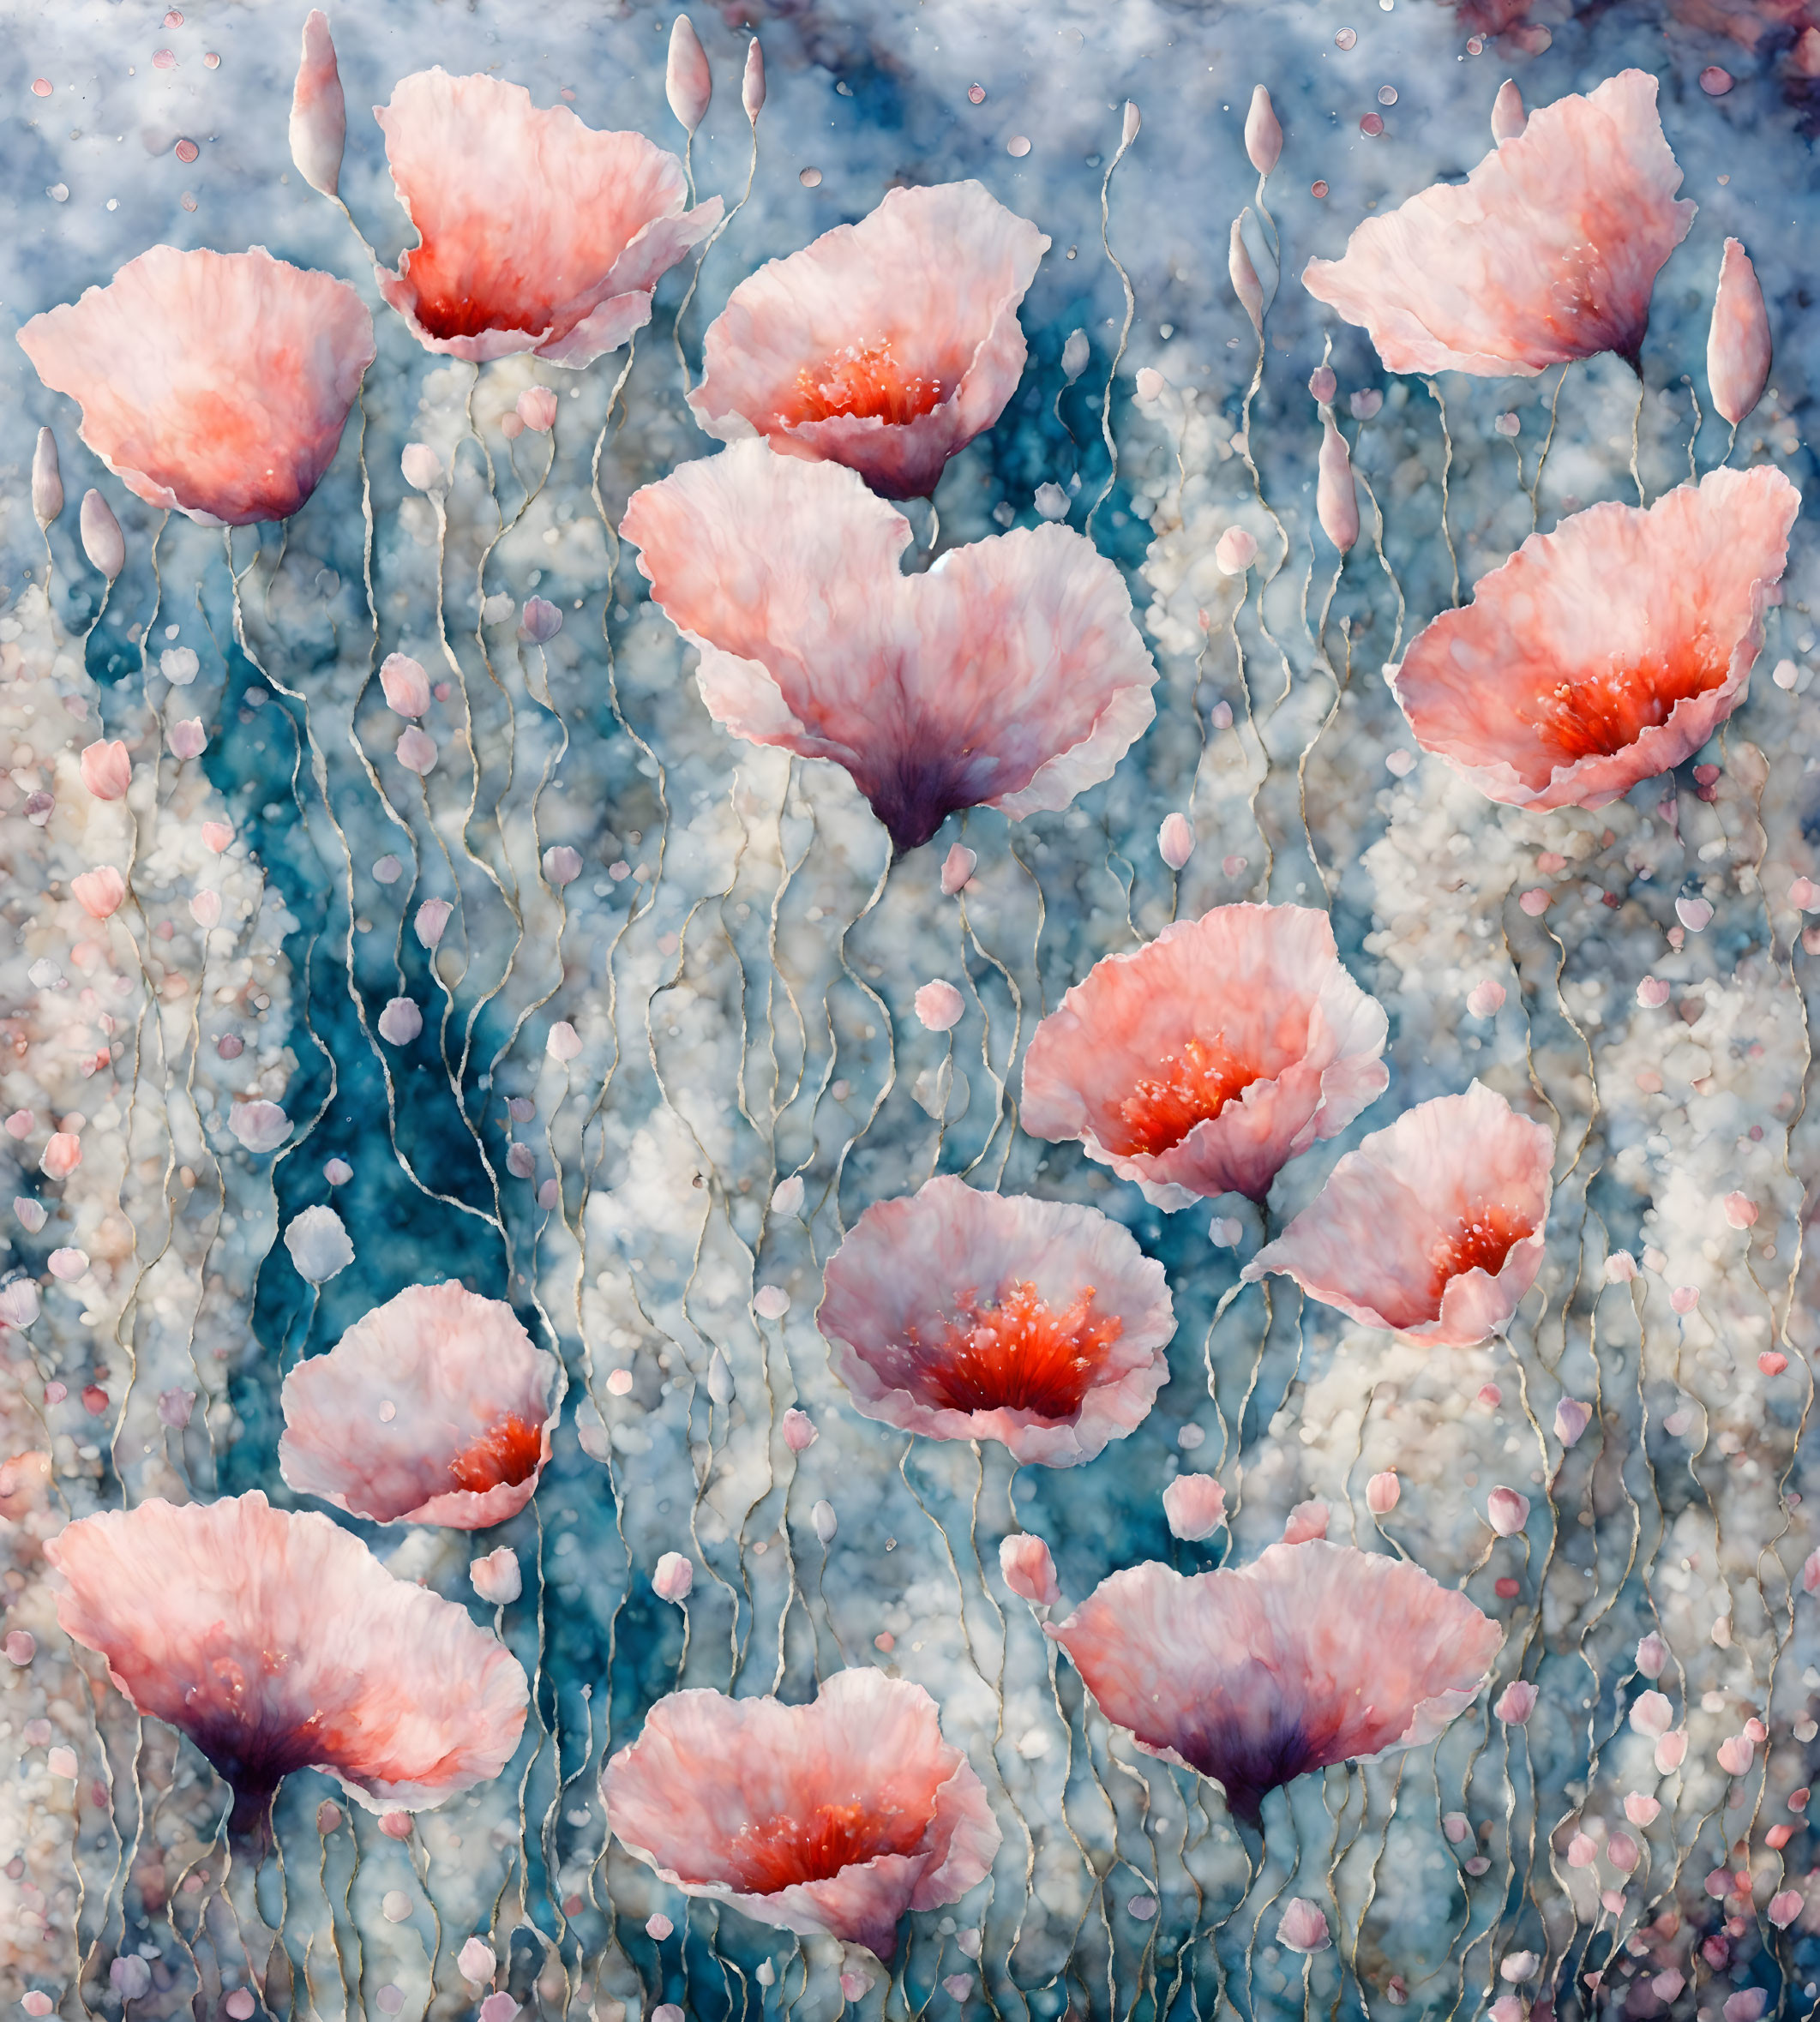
865 381
1600 713
772 1853
1484 1239
1021 1354
1188 1088
504 1455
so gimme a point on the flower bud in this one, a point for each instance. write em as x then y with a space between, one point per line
799 1432
47 480
1738 344
102 543
1383 1493
407 685
107 771
1029 1569
537 406
1506 1511
752 87
1244 276
687 83
674 1577
1263 135
318 110
1175 841
1508 117
1335 497
100 891
1234 551
1303 1927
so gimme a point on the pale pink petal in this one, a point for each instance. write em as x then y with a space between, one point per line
407 685
1317 1654
1548 251
1010 676
886 346
318 110
964 1314
1738 344
1433 1227
277 1641
472 1404
536 233
838 1817
99 892
215 384
1029 1569
1201 1063
107 770
1195 1505
1607 651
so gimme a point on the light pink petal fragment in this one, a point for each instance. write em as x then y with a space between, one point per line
215 384
407 685
1303 1927
497 1579
188 739
1509 118
1202 1063
536 233
62 1154
1029 1569
537 409
1175 841
107 771
964 1314
318 110
473 1404
1737 346
1234 551
1317 1654
1195 1505
940 1005
886 346
99 892
382 1685
1548 251
838 1817
1009 675
1515 1702
432 920
1383 1493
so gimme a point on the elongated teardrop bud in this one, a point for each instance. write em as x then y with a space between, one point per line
102 543
752 87
1335 497
47 480
1737 346
318 110
1508 117
1134 120
1262 132
1245 282
687 83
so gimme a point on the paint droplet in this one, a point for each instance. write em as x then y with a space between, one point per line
1317 189
164 59
1346 38
173 20
1371 126
59 193
1475 47
187 200
41 88
187 151
810 178
977 95
1017 145
388 1412
212 61
1715 81
1386 94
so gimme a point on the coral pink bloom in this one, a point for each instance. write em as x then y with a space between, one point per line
964 1314
1011 675
837 1816
1548 251
886 346
277 1641
535 232
435 1408
1433 1227
1607 651
1317 1654
215 384
1200 1064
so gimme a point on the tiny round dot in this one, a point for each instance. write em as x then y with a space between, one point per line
1017 145
1716 81
212 61
1475 47
41 88
1371 126
1386 94
187 151
1317 189
1347 39
977 95
810 178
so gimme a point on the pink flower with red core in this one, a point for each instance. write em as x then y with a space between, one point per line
1606 651
435 1408
838 1817
886 346
1202 1063
1010 676
536 233
966 1315
215 384
1432 1228
276 1641
1317 1654
1029 1569
1548 251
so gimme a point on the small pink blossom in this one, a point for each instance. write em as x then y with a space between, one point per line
687 83
563 1043
1175 841
539 622
1740 1211
62 1154
1234 551
1653 1714
1571 1418
1335 496
216 836
799 1432
1485 999
422 468
1622 1852
1583 1849
1322 384
1303 1927
1195 1505
400 1021
477 1960
562 865
1652 1655
407 685
107 771
1620 1268
1736 1754
1262 146
1785 1906
674 1577
1029 1569
1671 1751
537 409
1684 1297
940 1005
102 543
100 892
67 1265
1515 1702
1506 1511
957 869
1382 1492
188 739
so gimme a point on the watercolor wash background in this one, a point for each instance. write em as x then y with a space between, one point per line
737 1025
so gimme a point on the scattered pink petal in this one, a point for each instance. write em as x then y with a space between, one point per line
1507 1511
1485 999
432 919
100 892
674 1577
1671 1751
1234 551
188 738
770 1302
540 621
1306 1520
957 869
537 409
477 1960
1175 841
1696 915
1303 1927
1772 1361
107 771
940 1005
69 1264
1571 1418
417 751
1195 1506
1028 1569
1383 1493
62 1154
564 1042
407 685
1515 1702
1785 1906
1684 1297
799 1432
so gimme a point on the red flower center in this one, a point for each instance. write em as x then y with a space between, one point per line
772 1853
1188 1088
504 1455
866 382
1600 712
1020 1355
1484 1239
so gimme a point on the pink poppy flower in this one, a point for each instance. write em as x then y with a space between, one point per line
277 1641
886 346
536 233
1433 1227
1011 675
215 384
1548 251
836 1816
1317 1654
1201 1063
435 1408
964 1314
1607 651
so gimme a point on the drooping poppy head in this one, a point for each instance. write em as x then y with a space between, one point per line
886 346
1548 251
1314 1654
836 1816
1606 651
1011 675
535 232
435 1408
1200 1064
1433 1227
276 1641
215 384
964 1314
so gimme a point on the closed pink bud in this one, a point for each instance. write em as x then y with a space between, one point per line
687 83
940 1005
1653 1714
100 891
189 740
1305 1521
1195 1505
102 543
1028 1570
407 685
422 466
674 1577
1335 496
1515 1703
1244 276
1506 1511
1322 384
1382 1492
1736 1755
1175 841
432 917
1583 1849
1234 551
957 867
47 480
1652 1655
395 1825
107 771
1671 1751
1134 120
1304 1927
1263 135
497 1578
318 110
751 88
1785 1907
1738 344
1571 1418
1508 117
62 1155
800 1433
537 406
